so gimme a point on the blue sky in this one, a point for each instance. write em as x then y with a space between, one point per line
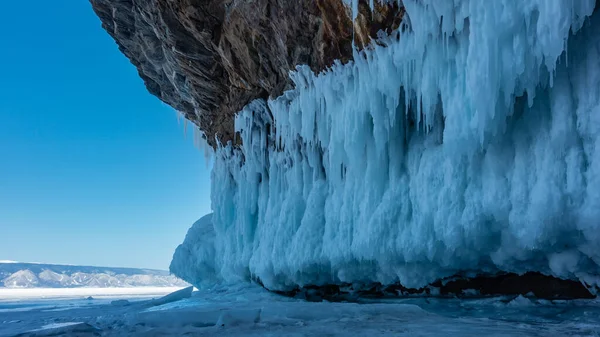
93 169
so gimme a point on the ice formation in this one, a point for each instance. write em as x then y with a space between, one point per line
194 259
466 142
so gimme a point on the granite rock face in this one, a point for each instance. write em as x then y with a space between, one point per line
209 58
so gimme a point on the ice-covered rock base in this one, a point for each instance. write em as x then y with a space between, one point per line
466 143
464 286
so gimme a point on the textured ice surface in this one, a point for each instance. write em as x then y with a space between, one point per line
247 310
467 142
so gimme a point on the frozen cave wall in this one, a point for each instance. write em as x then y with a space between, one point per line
465 143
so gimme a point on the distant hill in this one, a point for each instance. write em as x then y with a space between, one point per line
34 275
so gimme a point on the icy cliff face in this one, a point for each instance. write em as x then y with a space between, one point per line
467 142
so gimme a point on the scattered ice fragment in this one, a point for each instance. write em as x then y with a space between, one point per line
62 329
520 301
120 303
174 296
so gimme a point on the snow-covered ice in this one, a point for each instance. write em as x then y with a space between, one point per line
467 142
20 294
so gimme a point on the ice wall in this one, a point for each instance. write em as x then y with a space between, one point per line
468 142
194 259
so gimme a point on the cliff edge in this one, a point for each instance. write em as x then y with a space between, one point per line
209 58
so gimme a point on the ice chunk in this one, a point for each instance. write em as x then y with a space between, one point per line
66 328
194 259
120 303
174 296
520 301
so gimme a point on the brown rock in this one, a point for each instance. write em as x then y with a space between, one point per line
209 58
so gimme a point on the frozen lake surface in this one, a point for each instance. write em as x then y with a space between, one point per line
246 310
20 294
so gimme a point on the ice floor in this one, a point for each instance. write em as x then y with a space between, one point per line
251 311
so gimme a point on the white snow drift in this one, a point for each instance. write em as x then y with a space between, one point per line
467 142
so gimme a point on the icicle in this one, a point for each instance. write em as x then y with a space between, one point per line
468 184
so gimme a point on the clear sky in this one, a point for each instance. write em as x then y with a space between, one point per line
93 169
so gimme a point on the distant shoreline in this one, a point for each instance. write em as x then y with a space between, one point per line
11 294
